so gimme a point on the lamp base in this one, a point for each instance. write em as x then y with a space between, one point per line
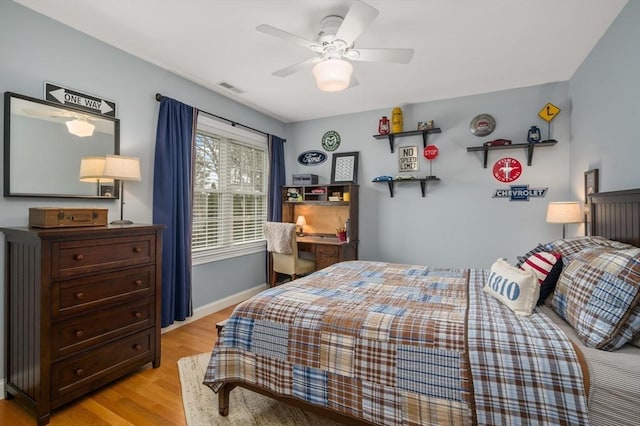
122 222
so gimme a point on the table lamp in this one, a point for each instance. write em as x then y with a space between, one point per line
122 168
564 212
92 170
300 225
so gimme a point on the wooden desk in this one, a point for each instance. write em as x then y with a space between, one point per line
328 250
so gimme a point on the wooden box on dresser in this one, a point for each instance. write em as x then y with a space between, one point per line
82 309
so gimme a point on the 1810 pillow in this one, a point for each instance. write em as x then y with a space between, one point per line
547 267
514 287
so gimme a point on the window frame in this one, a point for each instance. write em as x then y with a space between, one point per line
211 125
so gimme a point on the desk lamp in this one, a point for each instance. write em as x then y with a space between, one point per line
300 223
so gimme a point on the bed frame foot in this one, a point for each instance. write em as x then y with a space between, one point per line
223 399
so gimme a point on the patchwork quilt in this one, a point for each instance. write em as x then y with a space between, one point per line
402 344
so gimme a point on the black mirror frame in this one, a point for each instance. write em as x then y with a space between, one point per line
7 147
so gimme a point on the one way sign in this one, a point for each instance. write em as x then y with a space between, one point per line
65 96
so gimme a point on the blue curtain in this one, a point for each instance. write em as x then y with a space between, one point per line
276 181
172 205
276 178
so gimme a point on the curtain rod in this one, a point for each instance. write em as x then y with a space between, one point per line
233 123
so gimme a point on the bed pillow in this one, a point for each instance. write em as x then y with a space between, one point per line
598 293
514 287
546 267
569 248
535 250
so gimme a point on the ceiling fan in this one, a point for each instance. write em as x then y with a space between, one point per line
334 48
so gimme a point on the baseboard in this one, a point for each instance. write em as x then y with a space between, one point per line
2 394
216 306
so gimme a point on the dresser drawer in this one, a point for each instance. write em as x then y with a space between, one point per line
75 376
83 256
85 331
76 295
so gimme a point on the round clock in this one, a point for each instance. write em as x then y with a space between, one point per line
507 169
331 140
482 125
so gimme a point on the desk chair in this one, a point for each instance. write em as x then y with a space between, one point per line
282 244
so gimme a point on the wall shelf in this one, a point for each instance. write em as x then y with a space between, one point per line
425 135
423 183
528 146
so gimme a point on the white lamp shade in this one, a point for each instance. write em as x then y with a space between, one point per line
80 128
301 221
92 169
333 75
564 212
122 167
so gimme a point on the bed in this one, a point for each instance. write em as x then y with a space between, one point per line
385 343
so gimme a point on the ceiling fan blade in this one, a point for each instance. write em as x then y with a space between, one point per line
297 67
358 17
273 31
400 56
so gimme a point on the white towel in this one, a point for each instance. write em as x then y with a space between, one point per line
279 236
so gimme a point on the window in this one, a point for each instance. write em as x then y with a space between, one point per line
229 191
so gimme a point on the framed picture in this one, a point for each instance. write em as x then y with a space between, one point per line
344 168
106 190
590 187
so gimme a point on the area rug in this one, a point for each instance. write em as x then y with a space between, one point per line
246 407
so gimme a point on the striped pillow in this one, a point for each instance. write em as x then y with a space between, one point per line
546 267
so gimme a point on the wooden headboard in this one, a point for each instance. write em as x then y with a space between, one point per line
616 215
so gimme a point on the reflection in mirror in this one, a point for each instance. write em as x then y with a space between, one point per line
44 147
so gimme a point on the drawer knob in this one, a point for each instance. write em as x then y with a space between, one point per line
137 315
79 295
137 249
78 257
138 283
79 333
79 371
137 347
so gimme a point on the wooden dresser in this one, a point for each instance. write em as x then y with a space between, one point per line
82 309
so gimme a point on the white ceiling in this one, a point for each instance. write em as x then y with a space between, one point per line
462 47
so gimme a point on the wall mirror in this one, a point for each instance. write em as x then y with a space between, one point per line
45 143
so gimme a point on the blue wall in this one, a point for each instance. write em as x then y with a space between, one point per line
458 223
605 120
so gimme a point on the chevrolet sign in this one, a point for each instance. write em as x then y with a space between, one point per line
520 193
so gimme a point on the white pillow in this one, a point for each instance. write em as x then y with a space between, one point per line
517 289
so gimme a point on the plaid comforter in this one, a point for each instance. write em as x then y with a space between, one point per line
402 344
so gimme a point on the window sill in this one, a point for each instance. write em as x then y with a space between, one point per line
208 256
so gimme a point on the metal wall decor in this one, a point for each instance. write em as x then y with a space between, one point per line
312 158
331 140
482 125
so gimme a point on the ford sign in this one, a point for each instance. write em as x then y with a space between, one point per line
312 158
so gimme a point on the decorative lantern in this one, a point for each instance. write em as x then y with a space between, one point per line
383 126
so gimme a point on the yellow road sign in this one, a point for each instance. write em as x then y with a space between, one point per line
549 112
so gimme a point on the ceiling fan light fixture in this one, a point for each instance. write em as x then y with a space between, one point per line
80 128
333 75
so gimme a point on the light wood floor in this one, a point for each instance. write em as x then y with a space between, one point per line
147 397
